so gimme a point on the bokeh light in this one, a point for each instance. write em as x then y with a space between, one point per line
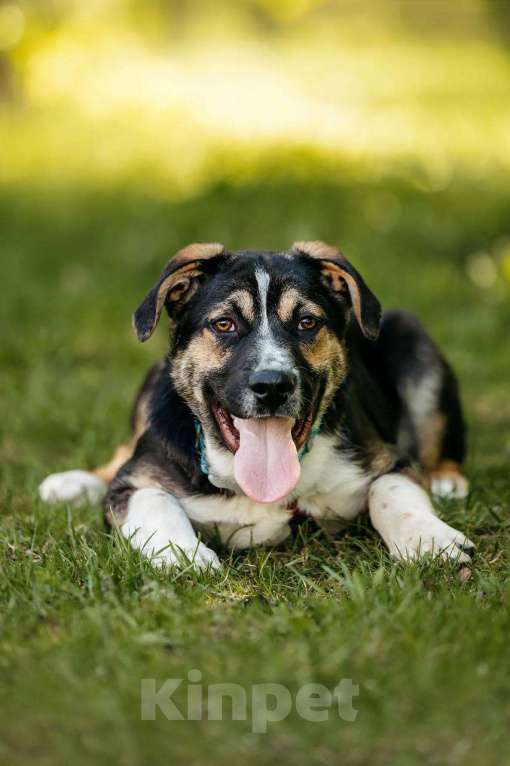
12 25
109 87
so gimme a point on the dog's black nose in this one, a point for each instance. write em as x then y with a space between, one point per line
272 387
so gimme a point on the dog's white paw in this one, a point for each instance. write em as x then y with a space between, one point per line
157 525
421 536
454 486
74 487
200 558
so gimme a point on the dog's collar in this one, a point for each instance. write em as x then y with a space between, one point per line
200 445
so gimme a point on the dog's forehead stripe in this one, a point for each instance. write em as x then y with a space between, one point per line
263 280
270 354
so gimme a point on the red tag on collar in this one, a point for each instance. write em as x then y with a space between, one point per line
295 510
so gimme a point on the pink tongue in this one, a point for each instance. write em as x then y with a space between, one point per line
266 465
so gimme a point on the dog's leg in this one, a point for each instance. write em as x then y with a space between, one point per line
431 423
73 487
402 513
447 480
156 524
82 487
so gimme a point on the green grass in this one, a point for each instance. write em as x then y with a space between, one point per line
83 619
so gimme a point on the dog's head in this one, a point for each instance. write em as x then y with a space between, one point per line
259 348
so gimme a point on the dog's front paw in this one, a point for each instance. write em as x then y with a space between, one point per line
452 485
74 487
200 558
430 536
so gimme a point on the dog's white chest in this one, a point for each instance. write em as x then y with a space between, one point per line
332 486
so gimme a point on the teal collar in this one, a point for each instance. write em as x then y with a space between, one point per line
200 445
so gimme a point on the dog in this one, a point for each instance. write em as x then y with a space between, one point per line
284 391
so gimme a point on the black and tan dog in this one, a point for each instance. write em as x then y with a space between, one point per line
283 391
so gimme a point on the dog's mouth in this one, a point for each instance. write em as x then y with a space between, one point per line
300 430
266 460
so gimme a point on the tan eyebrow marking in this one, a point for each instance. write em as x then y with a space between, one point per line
290 298
242 300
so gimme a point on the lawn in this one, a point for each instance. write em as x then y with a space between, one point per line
83 619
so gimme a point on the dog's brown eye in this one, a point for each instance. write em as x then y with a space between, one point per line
307 323
224 324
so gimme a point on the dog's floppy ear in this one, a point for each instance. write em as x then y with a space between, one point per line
342 278
175 286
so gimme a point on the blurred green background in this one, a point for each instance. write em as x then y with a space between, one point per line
171 96
129 128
